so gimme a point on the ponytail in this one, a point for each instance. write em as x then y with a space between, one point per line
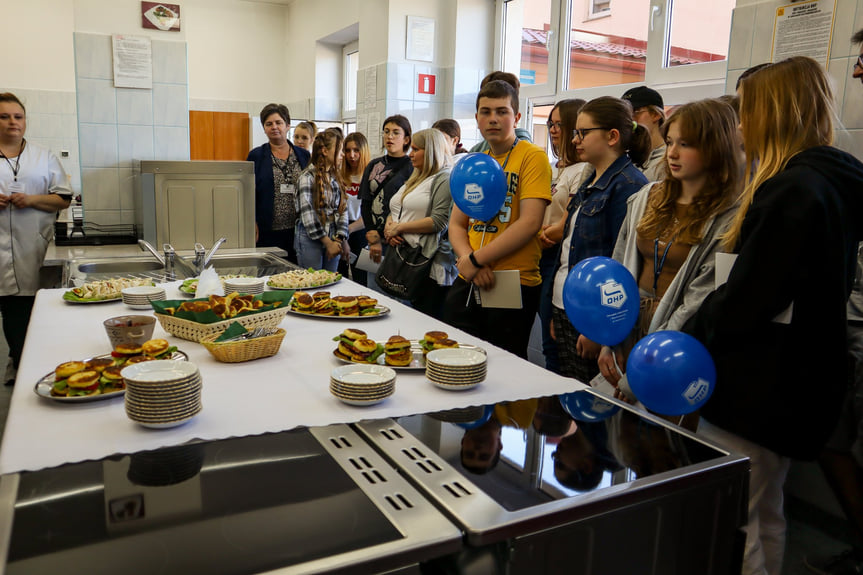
640 145
616 114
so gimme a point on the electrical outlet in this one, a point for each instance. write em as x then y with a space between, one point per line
64 153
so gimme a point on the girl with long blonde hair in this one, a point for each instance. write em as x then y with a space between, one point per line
357 155
776 328
322 223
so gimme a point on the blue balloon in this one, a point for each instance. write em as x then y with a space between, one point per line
671 373
601 300
586 406
487 412
478 186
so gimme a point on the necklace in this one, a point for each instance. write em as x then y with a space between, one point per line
17 165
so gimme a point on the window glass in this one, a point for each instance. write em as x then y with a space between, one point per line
699 31
351 63
527 40
607 42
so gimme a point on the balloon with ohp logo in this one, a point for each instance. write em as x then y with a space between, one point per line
671 372
601 300
478 186
586 406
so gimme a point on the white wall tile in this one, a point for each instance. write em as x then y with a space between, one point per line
134 143
843 28
97 101
128 182
401 81
170 105
98 145
851 91
105 217
101 188
425 114
169 62
69 126
93 56
134 106
465 85
69 104
171 143
740 42
762 41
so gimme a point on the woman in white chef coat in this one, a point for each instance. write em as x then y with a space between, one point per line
33 188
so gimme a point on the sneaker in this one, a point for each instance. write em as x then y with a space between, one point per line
846 563
11 372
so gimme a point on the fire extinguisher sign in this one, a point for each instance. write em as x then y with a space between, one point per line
425 84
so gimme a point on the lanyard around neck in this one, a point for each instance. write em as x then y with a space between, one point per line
506 160
17 167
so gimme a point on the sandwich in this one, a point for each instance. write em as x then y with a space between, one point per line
429 339
346 305
354 345
158 349
319 296
111 380
398 351
323 303
124 351
346 341
367 305
303 302
99 364
62 372
83 383
444 344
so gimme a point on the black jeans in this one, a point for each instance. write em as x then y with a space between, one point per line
505 328
16 311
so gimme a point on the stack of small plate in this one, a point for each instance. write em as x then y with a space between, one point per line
252 286
139 297
163 393
362 384
456 368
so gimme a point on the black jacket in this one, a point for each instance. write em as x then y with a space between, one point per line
781 385
265 183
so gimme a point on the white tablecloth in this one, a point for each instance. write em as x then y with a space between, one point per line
273 394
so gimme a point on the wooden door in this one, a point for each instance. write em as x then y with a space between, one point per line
218 135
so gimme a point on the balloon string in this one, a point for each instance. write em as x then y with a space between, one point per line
470 290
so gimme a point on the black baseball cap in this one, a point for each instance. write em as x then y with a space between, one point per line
643 96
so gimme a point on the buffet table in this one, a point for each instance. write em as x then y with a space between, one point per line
273 394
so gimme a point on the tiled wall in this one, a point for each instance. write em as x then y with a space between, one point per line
751 44
454 97
119 126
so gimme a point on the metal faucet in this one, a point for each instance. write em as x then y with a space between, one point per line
145 246
202 257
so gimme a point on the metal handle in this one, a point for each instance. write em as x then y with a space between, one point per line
655 11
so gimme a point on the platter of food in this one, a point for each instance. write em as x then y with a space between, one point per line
190 286
397 352
97 378
302 279
103 290
320 304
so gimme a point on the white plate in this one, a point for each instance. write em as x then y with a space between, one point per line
360 403
382 311
455 387
44 385
167 424
159 371
457 357
359 374
143 291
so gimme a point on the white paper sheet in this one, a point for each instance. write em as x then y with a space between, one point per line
506 292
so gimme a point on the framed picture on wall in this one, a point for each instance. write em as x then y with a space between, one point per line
159 16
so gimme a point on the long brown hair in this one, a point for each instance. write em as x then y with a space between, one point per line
709 126
365 155
326 171
785 108
568 109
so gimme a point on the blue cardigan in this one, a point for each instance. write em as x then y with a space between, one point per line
265 184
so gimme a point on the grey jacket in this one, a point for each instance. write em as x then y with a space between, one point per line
693 281
436 245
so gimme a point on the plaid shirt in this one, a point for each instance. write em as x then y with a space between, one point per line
336 224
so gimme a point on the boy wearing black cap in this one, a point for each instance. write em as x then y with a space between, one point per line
649 111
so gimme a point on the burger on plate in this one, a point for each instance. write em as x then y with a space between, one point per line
429 339
111 380
346 305
62 373
303 301
158 349
354 345
83 383
367 305
398 351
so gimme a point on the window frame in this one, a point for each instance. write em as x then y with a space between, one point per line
348 81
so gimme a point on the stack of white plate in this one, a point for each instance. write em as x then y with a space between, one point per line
162 393
362 384
252 286
456 368
139 297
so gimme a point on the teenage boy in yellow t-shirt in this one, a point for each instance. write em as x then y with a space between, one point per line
511 241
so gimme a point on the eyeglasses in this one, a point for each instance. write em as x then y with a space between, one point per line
551 125
580 134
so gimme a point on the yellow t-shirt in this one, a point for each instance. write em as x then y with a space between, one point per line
528 175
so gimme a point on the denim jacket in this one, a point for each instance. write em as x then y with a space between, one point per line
603 207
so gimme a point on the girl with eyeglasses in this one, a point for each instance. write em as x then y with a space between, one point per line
777 327
609 140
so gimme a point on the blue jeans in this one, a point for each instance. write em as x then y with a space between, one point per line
312 253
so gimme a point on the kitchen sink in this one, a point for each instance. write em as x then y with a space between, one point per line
248 263
120 267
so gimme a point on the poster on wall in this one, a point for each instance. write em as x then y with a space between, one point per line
158 16
804 29
133 61
420 39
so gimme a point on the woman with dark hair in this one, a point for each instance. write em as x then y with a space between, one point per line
33 188
381 180
567 175
452 131
777 327
322 219
607 138
277 168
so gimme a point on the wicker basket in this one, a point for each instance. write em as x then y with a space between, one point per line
194 331
244 350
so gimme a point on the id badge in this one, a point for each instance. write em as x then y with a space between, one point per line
286 188
15 188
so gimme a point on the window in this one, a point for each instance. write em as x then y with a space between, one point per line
599 8
350 64
528 41
692 44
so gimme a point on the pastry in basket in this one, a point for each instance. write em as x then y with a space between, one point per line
398 351
354 345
